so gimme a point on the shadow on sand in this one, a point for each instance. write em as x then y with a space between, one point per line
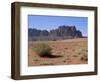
51 56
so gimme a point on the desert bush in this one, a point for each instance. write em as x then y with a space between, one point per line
84 58
46 63
42 49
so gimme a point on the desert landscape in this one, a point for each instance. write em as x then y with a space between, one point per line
57 40
63 52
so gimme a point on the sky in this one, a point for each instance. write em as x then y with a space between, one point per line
44 22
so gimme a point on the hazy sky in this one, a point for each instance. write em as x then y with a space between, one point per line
52 22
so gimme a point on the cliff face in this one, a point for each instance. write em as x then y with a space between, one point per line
62 32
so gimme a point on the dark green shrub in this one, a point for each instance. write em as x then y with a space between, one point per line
42 49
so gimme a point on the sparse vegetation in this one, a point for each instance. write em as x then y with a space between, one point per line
64 61
80 50
74 55
62 52
84 58
45 63
42 49
66 48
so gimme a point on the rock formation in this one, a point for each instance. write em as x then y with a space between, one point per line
62 32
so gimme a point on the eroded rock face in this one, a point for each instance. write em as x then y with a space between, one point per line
62 32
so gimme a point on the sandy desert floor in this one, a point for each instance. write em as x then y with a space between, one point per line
66 52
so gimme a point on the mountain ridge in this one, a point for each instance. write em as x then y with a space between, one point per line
62 32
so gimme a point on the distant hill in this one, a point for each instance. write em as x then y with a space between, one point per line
62 32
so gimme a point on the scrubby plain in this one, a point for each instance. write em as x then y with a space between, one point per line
64 52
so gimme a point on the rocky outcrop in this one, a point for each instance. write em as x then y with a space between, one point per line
62 32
